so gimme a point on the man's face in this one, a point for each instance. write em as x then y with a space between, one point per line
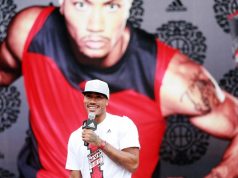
95 102
96 26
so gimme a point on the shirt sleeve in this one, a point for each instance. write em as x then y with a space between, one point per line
73 156
129 134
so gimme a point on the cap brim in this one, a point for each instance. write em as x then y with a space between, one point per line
84 92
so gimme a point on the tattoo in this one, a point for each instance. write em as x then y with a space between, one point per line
201 93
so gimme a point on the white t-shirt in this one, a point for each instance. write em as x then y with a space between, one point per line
120 132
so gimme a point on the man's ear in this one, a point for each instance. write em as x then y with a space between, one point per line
61 6
129 5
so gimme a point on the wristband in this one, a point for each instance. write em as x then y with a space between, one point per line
103 144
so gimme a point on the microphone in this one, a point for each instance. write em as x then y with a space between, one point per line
90 124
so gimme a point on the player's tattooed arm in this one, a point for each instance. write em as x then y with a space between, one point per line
202 94
187 88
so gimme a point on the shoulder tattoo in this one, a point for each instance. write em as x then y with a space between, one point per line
202 93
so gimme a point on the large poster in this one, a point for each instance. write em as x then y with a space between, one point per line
200 29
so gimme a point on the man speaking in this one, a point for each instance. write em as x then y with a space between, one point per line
113 145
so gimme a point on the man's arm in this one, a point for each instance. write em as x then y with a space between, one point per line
127 158
189 89
11 49
10 67
75 174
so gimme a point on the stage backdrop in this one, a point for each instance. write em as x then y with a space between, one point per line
198 28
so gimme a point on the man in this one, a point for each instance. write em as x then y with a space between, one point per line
60 49
113 147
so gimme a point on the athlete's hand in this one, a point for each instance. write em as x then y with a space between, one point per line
227 168
90 136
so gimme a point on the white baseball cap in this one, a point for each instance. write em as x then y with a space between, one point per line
97 86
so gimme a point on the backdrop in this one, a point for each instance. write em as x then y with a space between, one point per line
199 29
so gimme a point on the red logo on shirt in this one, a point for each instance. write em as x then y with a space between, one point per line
95 160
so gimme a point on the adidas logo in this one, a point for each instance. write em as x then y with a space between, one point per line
109 131
176 5
92 125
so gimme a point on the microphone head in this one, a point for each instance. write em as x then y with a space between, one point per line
91 115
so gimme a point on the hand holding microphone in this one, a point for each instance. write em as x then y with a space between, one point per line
90 123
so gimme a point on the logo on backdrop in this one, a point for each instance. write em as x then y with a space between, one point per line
183 144
136 13
186 37
176 6
6 174
9 106
229 82
7 11
9 97
223 8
